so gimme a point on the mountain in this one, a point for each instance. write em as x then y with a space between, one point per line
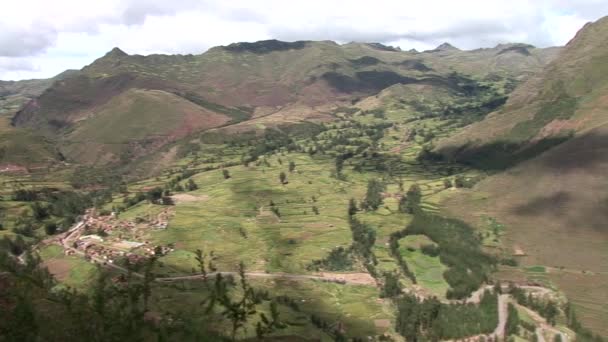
119 107
24 147
349 182
555 203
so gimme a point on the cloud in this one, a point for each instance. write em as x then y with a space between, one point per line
20 41
135 12
13 64
61 32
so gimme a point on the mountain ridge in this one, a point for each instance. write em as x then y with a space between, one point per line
271 73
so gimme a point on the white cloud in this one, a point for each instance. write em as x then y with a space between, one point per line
55 35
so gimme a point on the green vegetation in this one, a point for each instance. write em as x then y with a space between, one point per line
425 267
458 249
432 320
233 158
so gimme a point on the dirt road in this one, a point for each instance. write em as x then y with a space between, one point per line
503 316
542 325
360 279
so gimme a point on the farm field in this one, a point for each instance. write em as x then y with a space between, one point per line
293 224
408 189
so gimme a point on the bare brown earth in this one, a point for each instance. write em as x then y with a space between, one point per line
351 278
181 198
13 168
59 268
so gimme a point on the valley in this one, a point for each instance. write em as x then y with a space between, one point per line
311 191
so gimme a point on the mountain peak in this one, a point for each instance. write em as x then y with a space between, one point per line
265 46
446 47
116 52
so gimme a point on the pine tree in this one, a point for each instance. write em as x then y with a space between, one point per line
352 207
373 197
190 185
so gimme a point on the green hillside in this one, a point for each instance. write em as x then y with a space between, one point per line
262 84
559 195
309 191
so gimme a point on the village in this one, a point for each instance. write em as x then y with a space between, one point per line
108 240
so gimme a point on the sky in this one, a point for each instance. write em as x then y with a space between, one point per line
41 38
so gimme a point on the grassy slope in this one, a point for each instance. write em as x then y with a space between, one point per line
569 95
23 147
18 146
232 217
554 206
135 121
291 82
428 270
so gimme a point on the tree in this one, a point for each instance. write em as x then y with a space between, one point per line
414 193
352 207
512 321
498 287
315 210
411 201
292 166
39 211
339 165
373 197
403 205
550 312
190 185
50 228
226 173
283 178
447 183
154 195
238 311
392 285
167 200
459 181
268 325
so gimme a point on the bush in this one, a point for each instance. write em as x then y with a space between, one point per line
430 250
339 259
459 249
373 197
392 285
190 185
509 262
50 228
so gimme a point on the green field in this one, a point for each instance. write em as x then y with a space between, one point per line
427 269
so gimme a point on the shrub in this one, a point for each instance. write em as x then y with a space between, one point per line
50 228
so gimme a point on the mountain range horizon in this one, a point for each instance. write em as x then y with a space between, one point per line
308 190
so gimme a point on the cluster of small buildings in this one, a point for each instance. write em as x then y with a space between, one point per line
98 252
162 220
104 240
106 224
